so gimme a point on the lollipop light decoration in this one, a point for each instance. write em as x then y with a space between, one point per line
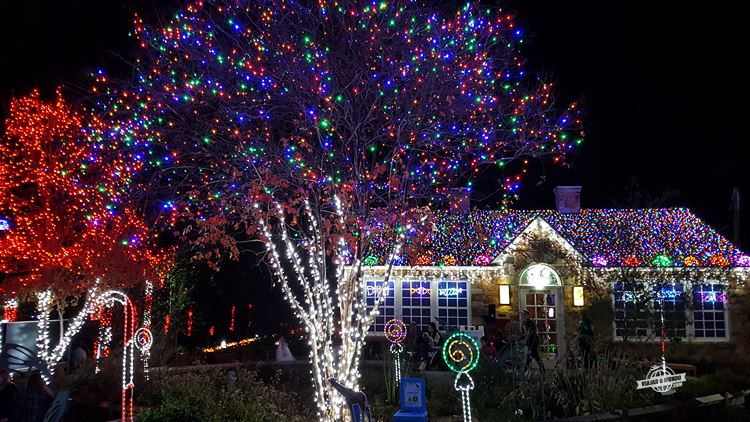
395 333
461 354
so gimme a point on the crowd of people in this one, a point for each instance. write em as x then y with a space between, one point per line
28 404
424 343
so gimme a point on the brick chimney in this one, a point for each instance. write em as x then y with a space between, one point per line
568 199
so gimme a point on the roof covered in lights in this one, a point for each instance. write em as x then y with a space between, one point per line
605 237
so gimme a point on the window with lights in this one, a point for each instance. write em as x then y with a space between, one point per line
709 312
697 312
387 307
422 301
631 319
453 302
416 302
671 299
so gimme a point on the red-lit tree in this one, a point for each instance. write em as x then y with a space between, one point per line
66 224
353 115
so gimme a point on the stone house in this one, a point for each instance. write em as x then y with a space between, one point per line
626 268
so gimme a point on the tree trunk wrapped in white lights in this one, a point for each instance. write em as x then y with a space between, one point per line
329 309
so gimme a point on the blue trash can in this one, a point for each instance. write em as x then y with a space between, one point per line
413 401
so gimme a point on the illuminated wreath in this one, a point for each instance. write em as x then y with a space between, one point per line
718 261
692 261
599 261
449 261
424 260
143 339
482 260
631 261
460 352
395 331
662 261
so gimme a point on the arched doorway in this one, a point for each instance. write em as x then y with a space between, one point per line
540 292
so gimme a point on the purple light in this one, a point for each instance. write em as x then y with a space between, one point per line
599 261
713 297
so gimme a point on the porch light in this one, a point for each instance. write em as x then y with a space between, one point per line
578 296
504 294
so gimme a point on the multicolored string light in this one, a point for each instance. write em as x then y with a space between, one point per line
607 237
66 222
382 105
376 100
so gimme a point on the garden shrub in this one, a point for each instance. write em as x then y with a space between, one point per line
502 394
720 382
216 396
608 384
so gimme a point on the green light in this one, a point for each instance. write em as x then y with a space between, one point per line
662 261
325 123
460 352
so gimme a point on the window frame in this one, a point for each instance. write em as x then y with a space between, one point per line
689 318
392 288
727 319
398 282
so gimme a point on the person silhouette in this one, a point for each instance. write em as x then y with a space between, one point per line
532 340
283 354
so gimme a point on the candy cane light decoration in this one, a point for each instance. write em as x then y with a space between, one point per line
395 332
96 303
461 354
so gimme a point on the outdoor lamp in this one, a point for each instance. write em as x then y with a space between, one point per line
578 296
504 294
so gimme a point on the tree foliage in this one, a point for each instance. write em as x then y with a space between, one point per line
387 106
66 223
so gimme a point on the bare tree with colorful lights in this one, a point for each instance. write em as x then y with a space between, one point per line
328 123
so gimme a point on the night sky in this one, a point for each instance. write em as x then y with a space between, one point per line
661 83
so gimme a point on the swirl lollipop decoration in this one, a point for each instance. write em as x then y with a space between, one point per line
395 332
461 354
143 339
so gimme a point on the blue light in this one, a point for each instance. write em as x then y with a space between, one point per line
4 224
